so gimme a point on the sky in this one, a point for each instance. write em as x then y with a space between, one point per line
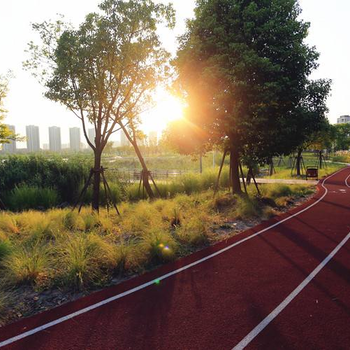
27 105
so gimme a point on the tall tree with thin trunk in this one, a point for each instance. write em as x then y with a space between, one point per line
104 71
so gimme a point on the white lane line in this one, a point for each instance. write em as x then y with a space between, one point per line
147 284
346 181
266 321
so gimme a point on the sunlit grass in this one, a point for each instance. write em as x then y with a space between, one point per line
26 265
286 173
82 258
72 251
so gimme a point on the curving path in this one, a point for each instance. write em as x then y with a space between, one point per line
283 285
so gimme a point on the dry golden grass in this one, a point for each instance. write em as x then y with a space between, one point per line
75 251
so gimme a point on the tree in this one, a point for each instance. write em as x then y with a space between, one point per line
6 134
106 70
342 137
323 140
186 138
310 117
243 68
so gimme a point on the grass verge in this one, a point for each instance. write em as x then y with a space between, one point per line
71 252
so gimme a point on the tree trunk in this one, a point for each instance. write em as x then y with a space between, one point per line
200 163
272 168
320 157
145 171
96 181
249 175
234 167
298 164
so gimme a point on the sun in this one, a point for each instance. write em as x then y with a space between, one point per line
167 109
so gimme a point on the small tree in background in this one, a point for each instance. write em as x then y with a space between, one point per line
186 138
342 137
309 118
104 71
6 135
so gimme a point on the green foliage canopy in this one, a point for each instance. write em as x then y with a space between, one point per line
105 70
5 133
243 67
342 137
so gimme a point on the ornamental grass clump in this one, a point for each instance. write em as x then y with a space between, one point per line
26 265
193 229
140 218
5 248
4 304
8 223
247 208
74 222
159 247
84 259
129 257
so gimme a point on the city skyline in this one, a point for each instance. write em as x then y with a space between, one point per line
33 142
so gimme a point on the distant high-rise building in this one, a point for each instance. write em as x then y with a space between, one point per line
55 139
343 119
10 147
92 135
74 138
152 138
33 140
123 139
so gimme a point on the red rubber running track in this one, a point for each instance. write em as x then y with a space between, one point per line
280 287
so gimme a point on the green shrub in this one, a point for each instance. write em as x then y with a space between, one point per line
25 198
191 183
39 171
116 194
208 180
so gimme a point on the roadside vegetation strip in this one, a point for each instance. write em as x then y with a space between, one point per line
160 278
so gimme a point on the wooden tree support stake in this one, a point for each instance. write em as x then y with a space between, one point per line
302 165
83 191
155 186
251 175
219 175
107 189
243 180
